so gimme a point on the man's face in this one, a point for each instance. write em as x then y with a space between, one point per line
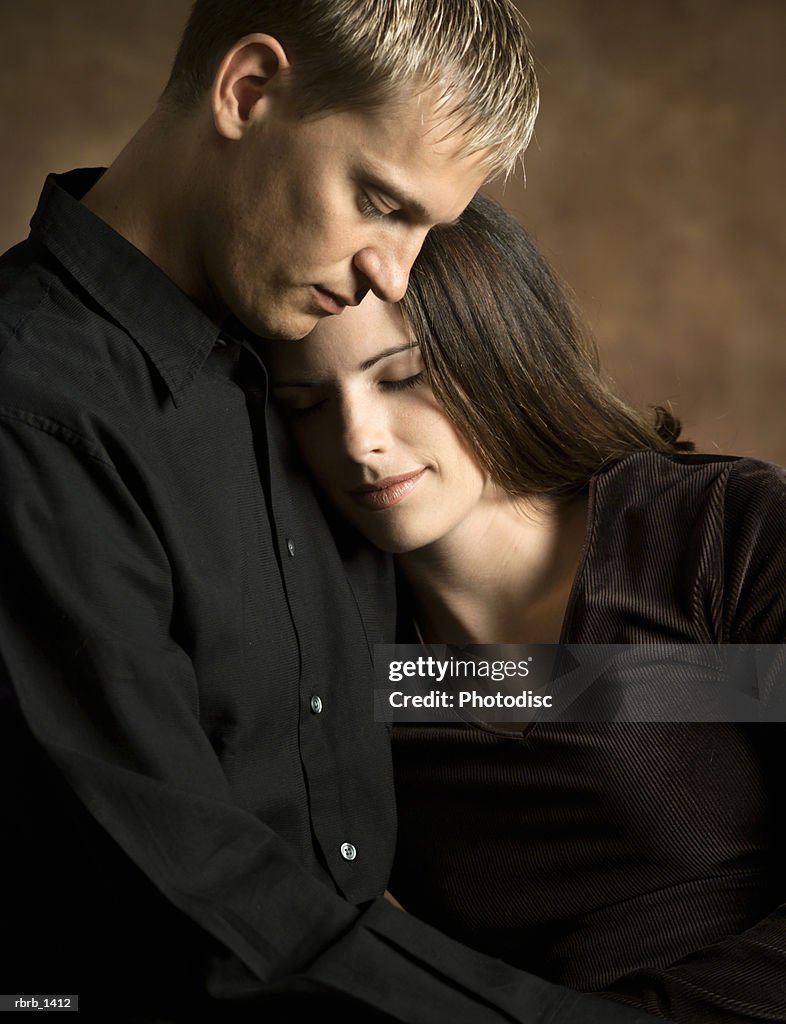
316 212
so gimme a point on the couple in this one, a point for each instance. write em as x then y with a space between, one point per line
200 808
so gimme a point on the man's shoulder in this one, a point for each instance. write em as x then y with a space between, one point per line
24 283
60 352
38 297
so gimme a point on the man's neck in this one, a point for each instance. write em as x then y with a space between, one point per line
148 196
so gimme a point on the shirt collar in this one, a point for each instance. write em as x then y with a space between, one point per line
176 335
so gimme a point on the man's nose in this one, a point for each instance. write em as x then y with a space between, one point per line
387 269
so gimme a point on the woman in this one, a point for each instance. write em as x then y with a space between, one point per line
469 432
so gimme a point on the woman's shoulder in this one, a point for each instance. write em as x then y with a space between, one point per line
649 475
703 517
732 502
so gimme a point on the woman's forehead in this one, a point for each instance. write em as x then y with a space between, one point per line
346 341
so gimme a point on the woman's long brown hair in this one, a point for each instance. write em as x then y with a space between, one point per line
513 363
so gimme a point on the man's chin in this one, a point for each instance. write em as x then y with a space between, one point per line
294 327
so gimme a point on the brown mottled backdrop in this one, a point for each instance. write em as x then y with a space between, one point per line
655 183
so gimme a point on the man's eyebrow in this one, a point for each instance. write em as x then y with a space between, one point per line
378 178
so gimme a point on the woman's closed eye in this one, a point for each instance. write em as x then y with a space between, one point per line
298 401
404 383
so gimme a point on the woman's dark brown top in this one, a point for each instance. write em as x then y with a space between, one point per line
641 860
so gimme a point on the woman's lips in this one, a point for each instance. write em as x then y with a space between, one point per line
388 492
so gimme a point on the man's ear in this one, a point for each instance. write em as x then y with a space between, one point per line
241 80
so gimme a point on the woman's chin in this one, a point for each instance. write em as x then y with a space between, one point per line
395 541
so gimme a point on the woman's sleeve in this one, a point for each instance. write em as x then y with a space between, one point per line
742 977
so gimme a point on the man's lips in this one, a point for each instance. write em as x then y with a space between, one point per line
331 302
388 492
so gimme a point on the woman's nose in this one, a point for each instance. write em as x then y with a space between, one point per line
364 427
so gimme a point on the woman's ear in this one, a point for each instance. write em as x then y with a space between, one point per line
243 81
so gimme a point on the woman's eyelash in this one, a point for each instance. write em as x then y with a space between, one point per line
388 385
406 382
295 411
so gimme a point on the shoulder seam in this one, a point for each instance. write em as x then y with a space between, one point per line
27 313
59 431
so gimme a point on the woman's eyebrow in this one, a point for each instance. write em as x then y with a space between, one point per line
317 382
368 363
298 384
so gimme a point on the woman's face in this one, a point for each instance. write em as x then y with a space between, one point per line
371 431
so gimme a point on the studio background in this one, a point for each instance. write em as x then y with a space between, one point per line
654 183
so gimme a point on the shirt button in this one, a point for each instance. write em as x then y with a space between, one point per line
316 704
348 851
291 548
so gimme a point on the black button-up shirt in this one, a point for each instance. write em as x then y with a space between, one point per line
186 664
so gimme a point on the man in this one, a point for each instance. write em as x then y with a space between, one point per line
202 818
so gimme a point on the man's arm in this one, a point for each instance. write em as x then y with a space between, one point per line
113 700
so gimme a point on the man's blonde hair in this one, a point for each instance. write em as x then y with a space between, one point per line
357 54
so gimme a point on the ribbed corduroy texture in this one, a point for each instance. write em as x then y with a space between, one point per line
642 860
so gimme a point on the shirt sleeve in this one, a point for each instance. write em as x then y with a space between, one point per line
87 651
742 977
